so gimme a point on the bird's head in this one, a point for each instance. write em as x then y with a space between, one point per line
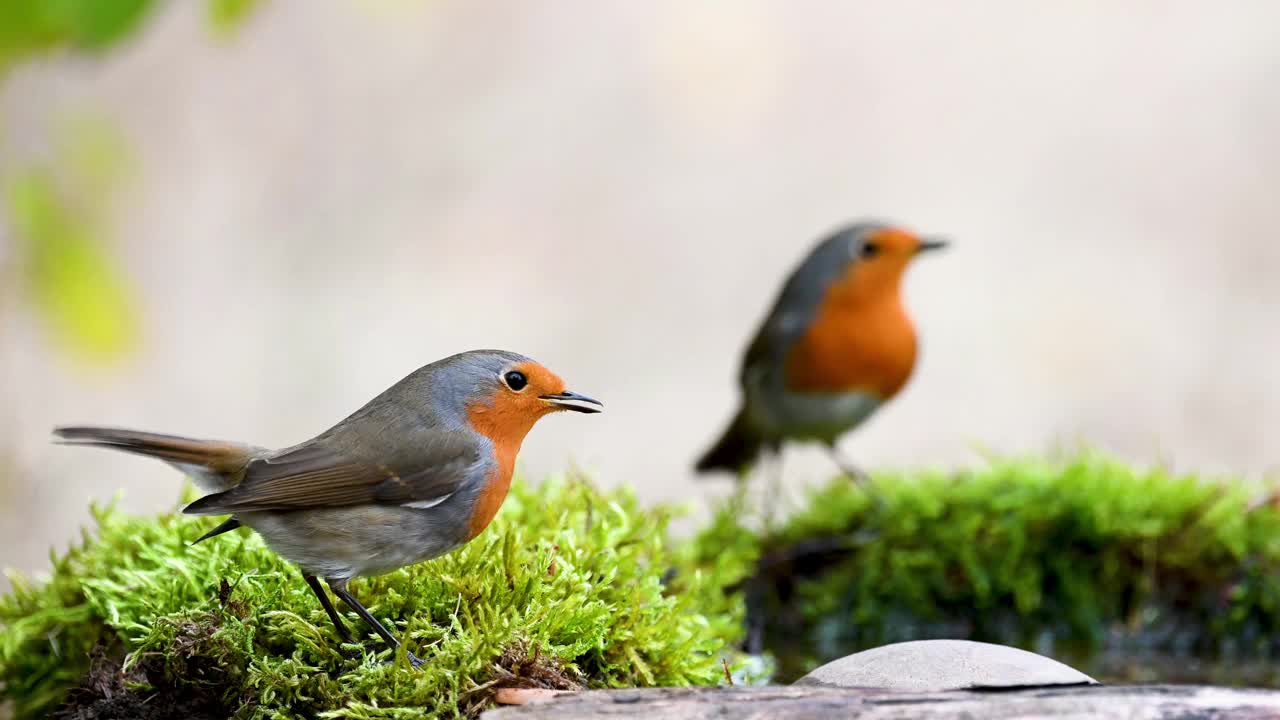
872 259
503 394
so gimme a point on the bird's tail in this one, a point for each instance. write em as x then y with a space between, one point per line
737 448
214 465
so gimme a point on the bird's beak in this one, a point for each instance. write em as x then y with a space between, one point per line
573 401
931 243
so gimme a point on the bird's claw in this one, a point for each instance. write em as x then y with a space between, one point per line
414 661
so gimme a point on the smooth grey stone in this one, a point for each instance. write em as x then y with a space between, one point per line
932 665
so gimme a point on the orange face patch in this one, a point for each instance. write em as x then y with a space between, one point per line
505 418
879 276
861 338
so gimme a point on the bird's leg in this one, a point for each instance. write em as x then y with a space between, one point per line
325 603
339 587
859 477
772 485
854 472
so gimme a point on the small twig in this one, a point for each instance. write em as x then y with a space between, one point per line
526 696
481 688
727 675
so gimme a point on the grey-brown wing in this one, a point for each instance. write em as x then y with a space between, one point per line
323 474
780 330
798 303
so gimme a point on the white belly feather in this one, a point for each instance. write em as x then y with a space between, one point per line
817 416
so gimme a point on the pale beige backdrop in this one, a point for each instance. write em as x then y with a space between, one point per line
349 189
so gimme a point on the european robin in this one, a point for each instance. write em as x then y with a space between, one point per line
837 345
416 473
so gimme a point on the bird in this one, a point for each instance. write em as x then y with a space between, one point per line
416 473
837 345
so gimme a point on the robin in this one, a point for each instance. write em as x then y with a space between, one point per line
837 345
416 473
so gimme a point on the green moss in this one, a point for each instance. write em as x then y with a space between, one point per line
565 590
574 587
1070 556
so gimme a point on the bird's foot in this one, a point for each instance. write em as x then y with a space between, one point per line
853 472
414 661
857 475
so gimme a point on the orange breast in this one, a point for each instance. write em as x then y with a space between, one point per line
489 501
506 433
857 341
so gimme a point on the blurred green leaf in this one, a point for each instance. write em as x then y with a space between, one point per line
97 24
226 16
25 26
30 26
71 281
63 256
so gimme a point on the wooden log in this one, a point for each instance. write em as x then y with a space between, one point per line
1131 702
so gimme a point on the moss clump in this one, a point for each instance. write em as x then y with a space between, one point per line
572 587
1068 556
565 590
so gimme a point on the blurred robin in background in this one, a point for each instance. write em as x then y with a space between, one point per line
417 472
837 345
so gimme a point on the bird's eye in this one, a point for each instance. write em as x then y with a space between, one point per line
515 380
869 250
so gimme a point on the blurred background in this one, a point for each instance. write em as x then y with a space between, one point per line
242 220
